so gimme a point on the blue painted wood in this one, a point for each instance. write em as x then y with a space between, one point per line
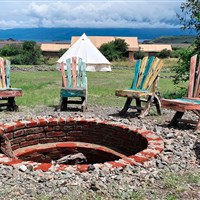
84 77
79 73
189 100
69 73
7 74
149 64
136 73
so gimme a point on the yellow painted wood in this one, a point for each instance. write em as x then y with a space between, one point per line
155 74
151 72
142 68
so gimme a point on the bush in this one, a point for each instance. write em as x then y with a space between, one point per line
139 55
114 50
164 53
11 50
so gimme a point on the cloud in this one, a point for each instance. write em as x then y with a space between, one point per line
130 14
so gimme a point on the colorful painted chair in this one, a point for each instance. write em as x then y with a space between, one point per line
74 82
7 94
143 88
189 103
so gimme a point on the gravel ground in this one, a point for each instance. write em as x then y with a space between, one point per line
174 174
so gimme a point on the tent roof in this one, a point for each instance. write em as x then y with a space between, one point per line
83 48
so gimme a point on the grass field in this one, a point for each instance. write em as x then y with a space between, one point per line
43 87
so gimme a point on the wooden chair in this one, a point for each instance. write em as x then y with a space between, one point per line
74 84
143 88
7 94
189 103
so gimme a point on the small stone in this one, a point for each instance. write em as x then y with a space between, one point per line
22 168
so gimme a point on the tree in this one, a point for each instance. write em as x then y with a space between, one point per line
189 19
114 50
11 50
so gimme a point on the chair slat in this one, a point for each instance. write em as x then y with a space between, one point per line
154 75
135 79
196 86
64 82
151 72
79 73
84 77
142 68
192 75
1 66
8 74
150 61
74 81
69 73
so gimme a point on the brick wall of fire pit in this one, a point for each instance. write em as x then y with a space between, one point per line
40 142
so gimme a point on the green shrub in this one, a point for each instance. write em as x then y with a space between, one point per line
165 53
139 55
11 50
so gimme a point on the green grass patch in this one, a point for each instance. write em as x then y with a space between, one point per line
43 87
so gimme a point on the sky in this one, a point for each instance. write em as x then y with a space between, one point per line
90 14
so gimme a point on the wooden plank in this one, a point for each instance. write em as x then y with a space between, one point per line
8 74
69 73
84 77
136 73
64 81
192 75
79 73
151 72
3 74
154 75
131 93
196 85
10 93
142 68
1 66
149 64
74 81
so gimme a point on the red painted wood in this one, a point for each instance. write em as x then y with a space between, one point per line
74 72
196 86
10 93
192 75
64 82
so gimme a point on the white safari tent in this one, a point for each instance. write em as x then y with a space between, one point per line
85 49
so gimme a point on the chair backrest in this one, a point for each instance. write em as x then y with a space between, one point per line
4 73
75 75
194 89
145 73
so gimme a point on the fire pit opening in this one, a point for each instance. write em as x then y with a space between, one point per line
57 143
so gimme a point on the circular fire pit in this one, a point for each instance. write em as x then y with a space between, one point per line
82 144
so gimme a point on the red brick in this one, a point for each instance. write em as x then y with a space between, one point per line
53 121
116 164
55 134
42 122
19 125
18 133
139 159
61 121
47 140
9 135
83 167
35 136
68 144
29 143
44 166
31 123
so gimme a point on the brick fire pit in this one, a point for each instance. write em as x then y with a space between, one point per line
39 143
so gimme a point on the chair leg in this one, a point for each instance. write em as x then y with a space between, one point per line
145 111
84 104
138 104
63 103
126 106
158 105
178 115
12 105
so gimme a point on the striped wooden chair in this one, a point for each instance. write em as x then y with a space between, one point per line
74 84
189 103
143 88
7 94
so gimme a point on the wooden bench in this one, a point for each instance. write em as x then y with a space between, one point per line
143 88
7 94
74 84
189 103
